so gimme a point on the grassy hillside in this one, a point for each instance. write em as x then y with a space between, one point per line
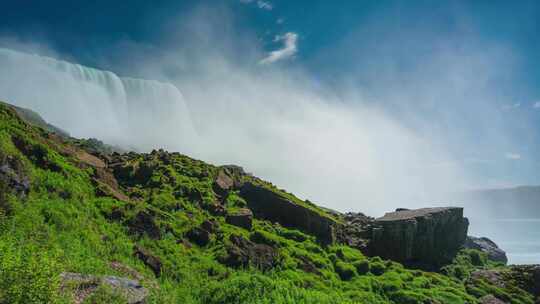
153 218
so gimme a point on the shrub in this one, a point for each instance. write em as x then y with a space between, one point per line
362 267
377 268
345 271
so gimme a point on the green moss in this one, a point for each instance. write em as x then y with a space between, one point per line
63 226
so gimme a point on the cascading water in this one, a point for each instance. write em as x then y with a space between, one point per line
94 103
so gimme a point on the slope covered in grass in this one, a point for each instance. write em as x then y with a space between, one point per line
153 217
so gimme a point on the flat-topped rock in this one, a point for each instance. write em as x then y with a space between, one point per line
407 214
427 237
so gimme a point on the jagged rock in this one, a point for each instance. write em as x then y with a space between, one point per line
271 206
494 277
149 259
488 246
355 231
210 225
242 253
527 278
490 299
216 209
85 285
241 218
199 236
223 183
144 223
424 237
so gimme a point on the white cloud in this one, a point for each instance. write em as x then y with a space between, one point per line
513 156
536 105
288 50
264 5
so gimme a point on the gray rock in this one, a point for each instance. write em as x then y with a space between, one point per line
269 205
488 246
428 237
131 290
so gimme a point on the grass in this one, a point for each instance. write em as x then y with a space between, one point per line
63 226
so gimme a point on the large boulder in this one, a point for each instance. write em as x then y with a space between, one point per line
243 253
488 246
272 206
428 237
241 218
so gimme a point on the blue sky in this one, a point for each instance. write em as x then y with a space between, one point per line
466 73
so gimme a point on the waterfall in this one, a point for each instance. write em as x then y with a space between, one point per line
89 102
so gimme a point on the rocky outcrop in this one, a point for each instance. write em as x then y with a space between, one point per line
202 235
356 230
242 218
488 246
84 286
269 205
427 237
243 253
149 259
527 277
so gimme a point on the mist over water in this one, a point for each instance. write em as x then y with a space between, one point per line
88 102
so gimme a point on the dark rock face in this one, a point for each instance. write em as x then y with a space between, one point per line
241 218
429 236
488 246
271 206
242 253
199 236
144 223
131 290
149 259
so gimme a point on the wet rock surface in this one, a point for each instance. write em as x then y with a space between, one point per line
488 246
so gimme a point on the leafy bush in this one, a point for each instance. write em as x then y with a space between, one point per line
345 270
362 267
377 268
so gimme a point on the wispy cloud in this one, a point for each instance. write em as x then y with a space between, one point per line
289 49
260 4
280 21
265 5
512 156
536 105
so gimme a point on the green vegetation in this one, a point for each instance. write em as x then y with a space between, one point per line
68 223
